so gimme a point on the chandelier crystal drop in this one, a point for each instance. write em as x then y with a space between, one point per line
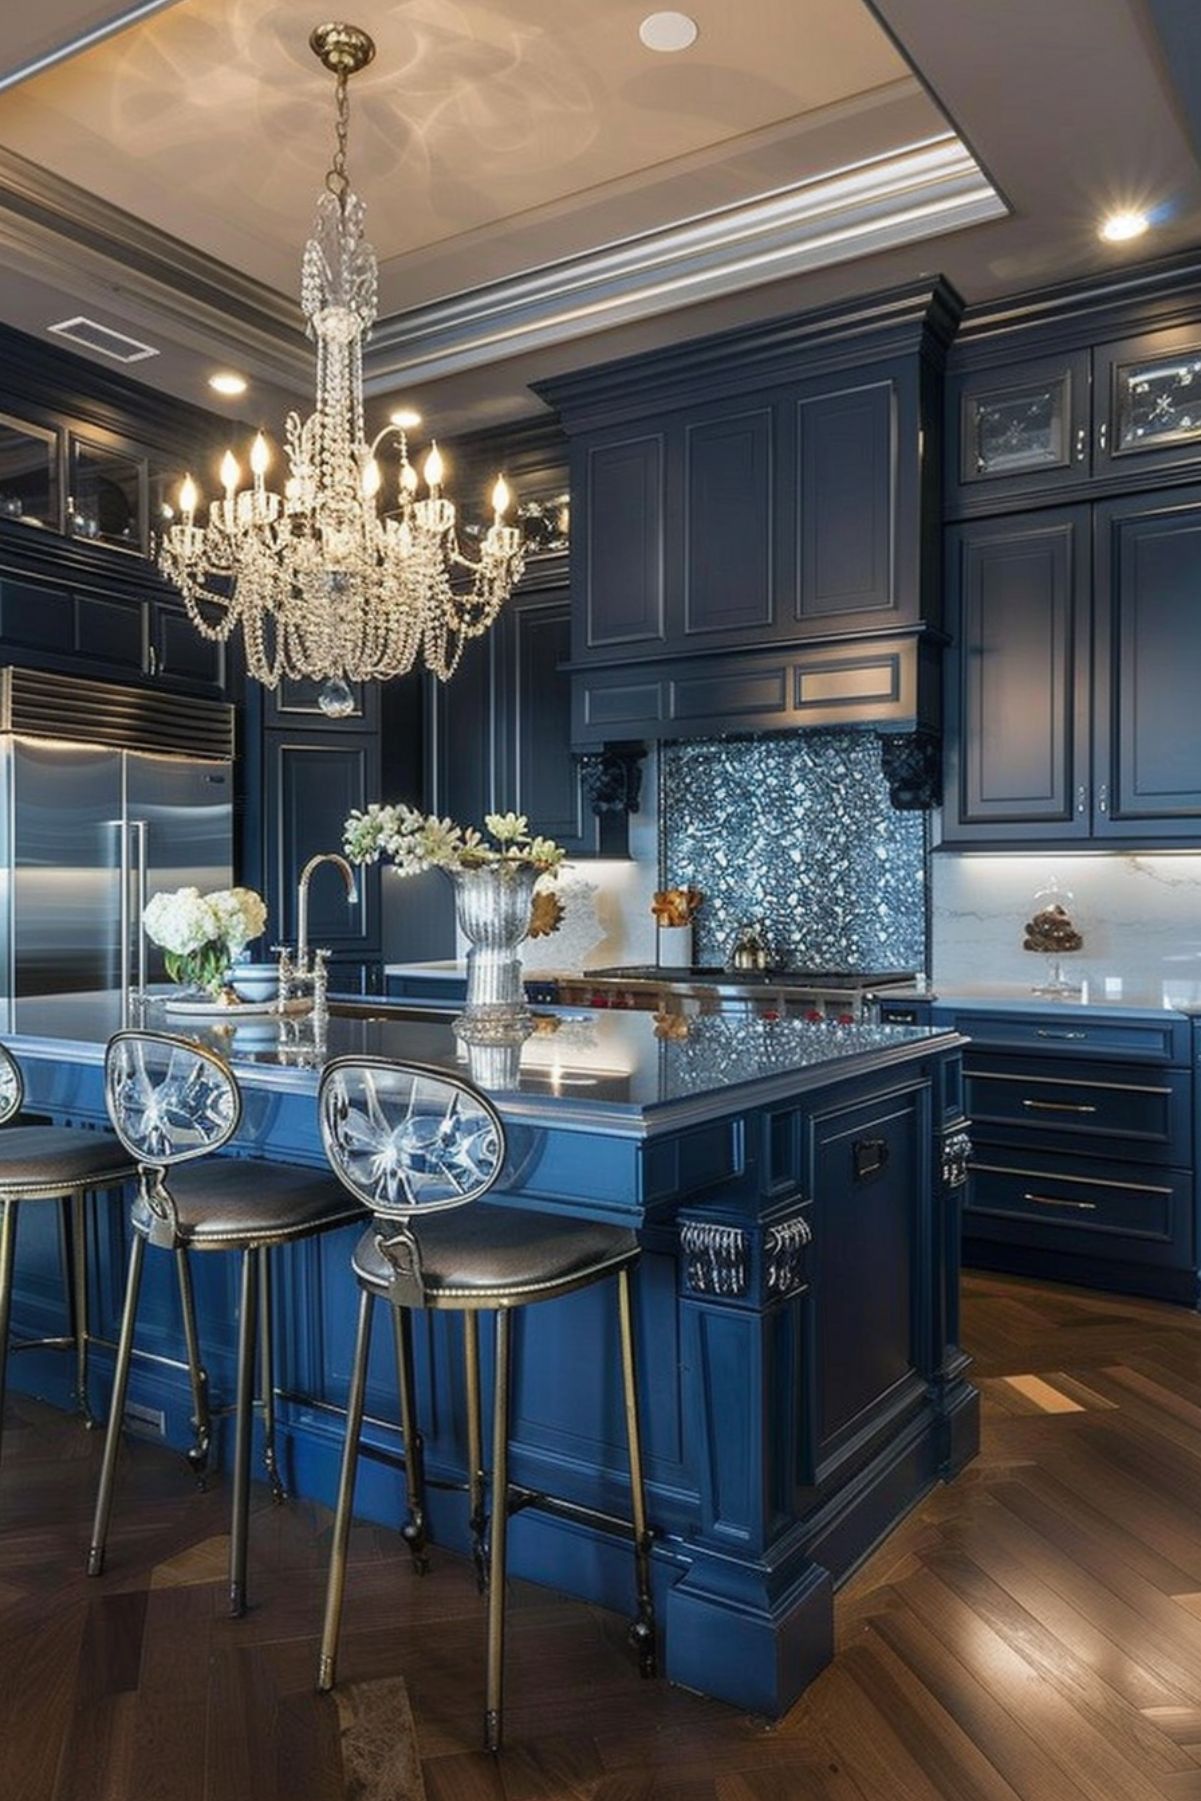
326 582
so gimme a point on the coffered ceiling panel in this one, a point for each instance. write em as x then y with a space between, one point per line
211 119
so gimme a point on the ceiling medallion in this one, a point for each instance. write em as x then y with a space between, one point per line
325 582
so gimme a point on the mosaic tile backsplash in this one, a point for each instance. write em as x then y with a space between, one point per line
799 833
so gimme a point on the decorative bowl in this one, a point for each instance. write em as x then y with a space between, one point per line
255 981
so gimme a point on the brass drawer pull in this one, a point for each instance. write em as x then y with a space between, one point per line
1059 1106
1041 1032
1050 1200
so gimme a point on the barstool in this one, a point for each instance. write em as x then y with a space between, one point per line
51 1163
413 1143
172 1102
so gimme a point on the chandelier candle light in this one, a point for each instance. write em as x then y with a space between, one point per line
324 584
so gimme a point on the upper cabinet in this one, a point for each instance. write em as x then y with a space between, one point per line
755 525
1020 429
1076 395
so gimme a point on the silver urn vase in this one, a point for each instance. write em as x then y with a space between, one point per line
493 905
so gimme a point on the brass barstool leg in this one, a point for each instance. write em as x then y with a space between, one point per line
116 1407
413 1530
79 1289
198 1456
267 1374
243 1421
642 1631
475 1447
336 1585
499 1527
8 1238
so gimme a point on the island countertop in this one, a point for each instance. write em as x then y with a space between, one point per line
612 1071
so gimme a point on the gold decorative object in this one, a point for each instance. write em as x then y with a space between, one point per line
676 906
672 1026
546 914
332 579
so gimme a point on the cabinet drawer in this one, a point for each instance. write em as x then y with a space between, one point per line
1069 1034
1059 1203
1110 1109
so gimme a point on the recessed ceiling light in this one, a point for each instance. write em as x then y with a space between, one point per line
1119 228
405 420
668 31
225 382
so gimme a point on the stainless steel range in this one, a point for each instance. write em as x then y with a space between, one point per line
769 993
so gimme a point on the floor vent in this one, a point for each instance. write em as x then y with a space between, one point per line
145 1422
104 339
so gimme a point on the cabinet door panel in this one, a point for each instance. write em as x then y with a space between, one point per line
181 654
1018 429
1017 687
624 543
728 525
37 618
1148 636
111 631
846 457
546 778
1149 402
466 731
313 783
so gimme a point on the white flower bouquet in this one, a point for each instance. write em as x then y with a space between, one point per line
415 842
199 934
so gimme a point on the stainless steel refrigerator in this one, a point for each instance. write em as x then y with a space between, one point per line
110 794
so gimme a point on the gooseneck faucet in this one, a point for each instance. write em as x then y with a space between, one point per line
302 902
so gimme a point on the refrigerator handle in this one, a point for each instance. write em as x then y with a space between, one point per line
139 827
123 831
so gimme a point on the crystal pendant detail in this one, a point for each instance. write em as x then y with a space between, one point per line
336 699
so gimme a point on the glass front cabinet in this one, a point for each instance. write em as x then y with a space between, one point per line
1148 398
1021 428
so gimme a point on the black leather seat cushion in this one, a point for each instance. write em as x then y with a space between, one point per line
232 1202
52 1160
483 1256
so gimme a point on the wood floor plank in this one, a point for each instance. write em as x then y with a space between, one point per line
1031 1631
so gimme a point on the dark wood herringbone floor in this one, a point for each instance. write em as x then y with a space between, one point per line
1032 1631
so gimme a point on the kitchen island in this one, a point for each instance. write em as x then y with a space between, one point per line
795 1188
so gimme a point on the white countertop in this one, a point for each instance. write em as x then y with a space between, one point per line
1142 994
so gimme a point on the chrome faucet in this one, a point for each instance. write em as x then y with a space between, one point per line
302 903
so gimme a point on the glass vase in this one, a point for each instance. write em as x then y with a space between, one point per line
492 906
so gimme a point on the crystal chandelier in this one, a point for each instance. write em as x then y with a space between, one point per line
324 582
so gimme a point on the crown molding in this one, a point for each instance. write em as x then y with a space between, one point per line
917 191
55 230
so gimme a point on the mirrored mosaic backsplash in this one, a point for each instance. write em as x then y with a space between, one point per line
798 833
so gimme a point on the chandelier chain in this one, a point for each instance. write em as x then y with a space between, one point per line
336 179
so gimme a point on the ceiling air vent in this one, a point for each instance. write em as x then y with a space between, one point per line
104 339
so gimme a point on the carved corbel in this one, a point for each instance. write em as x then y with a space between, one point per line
912 766
612 777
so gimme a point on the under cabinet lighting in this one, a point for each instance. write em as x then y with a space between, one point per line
225 382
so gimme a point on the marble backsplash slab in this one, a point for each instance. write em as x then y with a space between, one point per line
1140 916
797 832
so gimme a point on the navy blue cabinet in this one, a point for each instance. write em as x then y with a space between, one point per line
1018 429
312 781
1083 1150
499 732
1018 678
755 525
1071 689
1148 650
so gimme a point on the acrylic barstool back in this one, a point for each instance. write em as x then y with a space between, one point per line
417 1146
174 1103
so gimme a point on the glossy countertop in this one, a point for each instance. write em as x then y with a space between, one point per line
612 1071
1123 995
